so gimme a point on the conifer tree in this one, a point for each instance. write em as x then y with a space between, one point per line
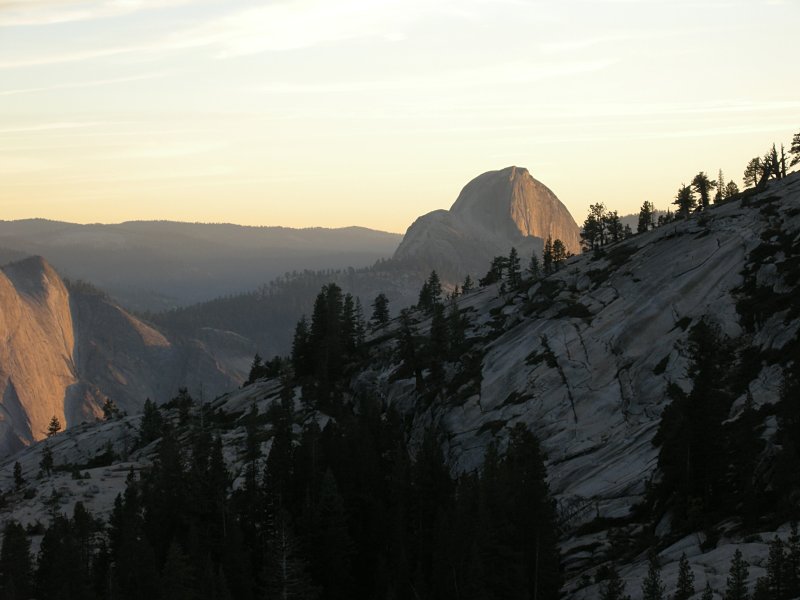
380 311
776 569
559 254
19 480
16 568
151 424
731 189
792 563
753 172
685 587
614 588
593 234
652 586
645 217
613 227
467 286
703 186
794 150
46 464
514 278
301 349
721 187
54 427
547 256
737 578
685 201
534 270
708 592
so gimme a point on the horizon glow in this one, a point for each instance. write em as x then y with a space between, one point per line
305 113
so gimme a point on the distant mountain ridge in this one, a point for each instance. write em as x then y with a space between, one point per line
156 265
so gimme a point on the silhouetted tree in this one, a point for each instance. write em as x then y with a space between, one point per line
593 234
302 359
721 186
547 257
736 588
467 286
614 229
685 586
703 186
152 423
794 150
652 586
54 427
46 464
645 217
19 480
431 293
753 172
16 568
685 201
559 253
731 189
514 276
614 588
534 270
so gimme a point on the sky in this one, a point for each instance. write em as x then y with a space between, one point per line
333 113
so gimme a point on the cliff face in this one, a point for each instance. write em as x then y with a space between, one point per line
62 354
494 211
36 344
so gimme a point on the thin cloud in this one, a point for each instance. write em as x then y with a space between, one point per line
506 74
50 126
83 84
18 13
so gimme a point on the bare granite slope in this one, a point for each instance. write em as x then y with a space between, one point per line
494 211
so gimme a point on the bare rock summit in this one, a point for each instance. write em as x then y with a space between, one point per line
494 211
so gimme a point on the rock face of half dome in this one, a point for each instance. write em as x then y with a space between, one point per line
494 211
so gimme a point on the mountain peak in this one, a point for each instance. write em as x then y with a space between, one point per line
495 211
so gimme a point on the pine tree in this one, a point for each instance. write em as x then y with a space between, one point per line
46 464
614 588
708 593
301 349
753 172
795 150
593 234
286 568
737 578
514 278
19 480
15 563
652 586
776 569
721 186
703 186
177 577
54 427
380 311
152 423
547 256
685 586
534 269
559 253
792 563
467 286
110 409
685 201
731 189
613 226
645 217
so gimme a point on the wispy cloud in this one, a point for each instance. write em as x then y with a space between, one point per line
15 13
49 126
504 74
83 84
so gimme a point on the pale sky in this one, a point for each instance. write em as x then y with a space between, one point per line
332 113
